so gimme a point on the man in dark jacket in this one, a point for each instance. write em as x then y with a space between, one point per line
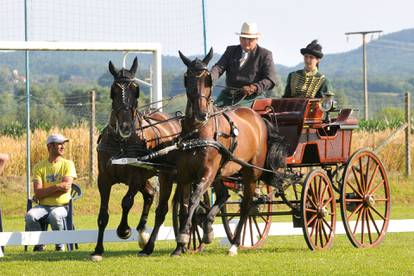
249 69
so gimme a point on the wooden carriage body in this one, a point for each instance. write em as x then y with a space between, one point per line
312 139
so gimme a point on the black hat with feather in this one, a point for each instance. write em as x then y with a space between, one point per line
313 48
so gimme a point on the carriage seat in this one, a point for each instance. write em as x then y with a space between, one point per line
285 111
288 118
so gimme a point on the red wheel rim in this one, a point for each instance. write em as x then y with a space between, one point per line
318 210
365 200
258 223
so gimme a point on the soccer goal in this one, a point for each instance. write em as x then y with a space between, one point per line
155 82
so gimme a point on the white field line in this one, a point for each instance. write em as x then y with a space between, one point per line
165 233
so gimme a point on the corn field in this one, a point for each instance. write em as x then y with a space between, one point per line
77 149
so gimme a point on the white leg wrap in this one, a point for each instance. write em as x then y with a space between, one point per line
233 250
183 238
143 238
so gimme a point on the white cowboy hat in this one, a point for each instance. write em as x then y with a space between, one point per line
249 30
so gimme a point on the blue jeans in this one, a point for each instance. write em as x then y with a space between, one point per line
55 216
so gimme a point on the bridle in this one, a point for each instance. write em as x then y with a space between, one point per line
127 105
203 73
124 84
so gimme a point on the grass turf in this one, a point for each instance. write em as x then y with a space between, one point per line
279 255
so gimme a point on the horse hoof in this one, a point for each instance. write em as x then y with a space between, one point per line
96 258
177 252
201 247
143 254
232 251
143 238
124 234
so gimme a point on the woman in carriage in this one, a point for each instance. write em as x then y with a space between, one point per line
308 82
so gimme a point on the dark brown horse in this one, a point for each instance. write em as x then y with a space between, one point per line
131 134
240 131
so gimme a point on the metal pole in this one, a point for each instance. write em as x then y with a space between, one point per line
364 62
364 67
157 85
27 63
408 134
92 152
150 81
204 27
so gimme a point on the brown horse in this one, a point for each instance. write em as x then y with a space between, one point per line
239 131
131 133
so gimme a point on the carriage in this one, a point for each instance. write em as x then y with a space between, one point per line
321 178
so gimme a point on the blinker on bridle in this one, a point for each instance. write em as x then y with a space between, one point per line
204 72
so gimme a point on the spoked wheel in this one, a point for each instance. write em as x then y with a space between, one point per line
365 199
196 232
318 207
258 223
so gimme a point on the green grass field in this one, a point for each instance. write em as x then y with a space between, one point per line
279 255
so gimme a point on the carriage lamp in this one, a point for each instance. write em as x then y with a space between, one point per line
327 103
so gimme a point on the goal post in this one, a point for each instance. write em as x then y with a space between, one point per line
154 48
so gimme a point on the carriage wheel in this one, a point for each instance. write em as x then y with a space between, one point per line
196 232
258 223
365 199
318 206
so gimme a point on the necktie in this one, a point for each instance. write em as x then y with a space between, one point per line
243 58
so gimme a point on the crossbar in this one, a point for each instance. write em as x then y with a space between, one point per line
77 46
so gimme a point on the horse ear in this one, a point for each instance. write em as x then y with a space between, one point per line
185 59
112 69
134 66
208 57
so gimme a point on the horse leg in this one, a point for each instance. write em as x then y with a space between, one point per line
182 195
222 196
148 196
249 186
162 209
103 217
184 234
124 231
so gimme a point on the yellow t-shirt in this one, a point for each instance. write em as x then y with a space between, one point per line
51 174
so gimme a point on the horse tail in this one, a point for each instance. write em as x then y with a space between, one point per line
276 155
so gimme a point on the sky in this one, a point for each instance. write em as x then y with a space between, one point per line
286 26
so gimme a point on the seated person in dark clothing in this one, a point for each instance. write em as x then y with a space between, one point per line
308 82
249 69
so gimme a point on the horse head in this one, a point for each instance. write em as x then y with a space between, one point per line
124 95
198 84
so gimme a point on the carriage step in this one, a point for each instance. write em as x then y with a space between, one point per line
297 219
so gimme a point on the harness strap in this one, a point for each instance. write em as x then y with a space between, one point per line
234 133
196 143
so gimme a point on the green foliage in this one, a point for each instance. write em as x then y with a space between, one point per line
390 114
379 125
385 118
14 128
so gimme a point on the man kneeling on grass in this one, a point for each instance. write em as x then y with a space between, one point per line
52 181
